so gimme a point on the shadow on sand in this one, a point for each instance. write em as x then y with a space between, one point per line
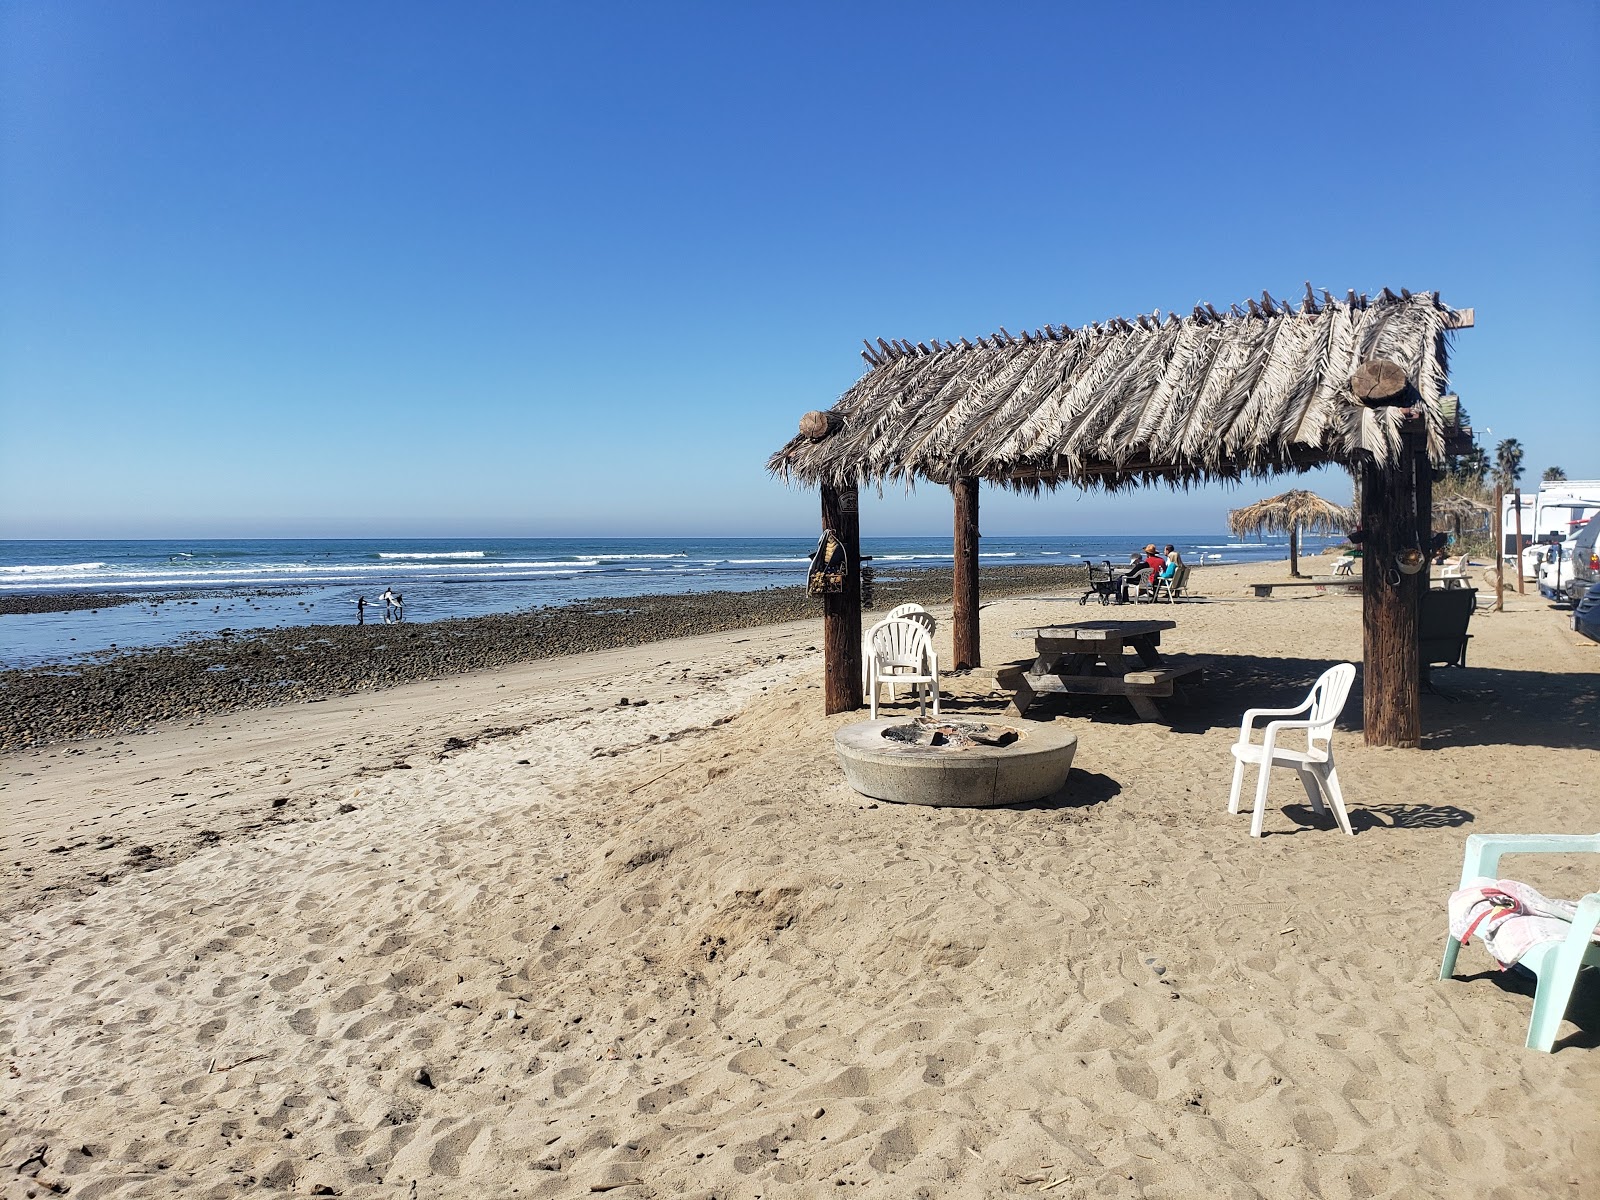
1483 706
1583 1010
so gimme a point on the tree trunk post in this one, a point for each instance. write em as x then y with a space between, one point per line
1500 548
1423 467
1391 687
964 623
1294 551
1516 496
841 611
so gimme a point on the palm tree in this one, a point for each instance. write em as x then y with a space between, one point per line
1474 463
1508 463
1290 513
1553 474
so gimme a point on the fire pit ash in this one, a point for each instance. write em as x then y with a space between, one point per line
953 735
970 764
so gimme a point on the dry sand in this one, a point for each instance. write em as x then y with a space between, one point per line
502 935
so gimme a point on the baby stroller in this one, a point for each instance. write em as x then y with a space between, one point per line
1101 584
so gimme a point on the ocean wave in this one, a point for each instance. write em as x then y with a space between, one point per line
442 554
56 569
755 562
623 557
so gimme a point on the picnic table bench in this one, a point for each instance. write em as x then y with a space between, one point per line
1090 659
1346 582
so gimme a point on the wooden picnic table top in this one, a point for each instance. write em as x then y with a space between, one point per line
1095 631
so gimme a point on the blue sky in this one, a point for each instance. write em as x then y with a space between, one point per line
526 269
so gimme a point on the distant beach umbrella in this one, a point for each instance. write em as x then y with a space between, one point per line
1290 513
1462 512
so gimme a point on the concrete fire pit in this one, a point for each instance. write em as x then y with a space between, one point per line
970 764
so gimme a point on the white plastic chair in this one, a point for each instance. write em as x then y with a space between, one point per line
1555 963
1344 565
1454 573
1314 763
914 612
900 650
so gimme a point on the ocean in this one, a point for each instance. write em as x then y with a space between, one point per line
191 589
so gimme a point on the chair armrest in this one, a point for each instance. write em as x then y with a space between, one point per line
1484 850
1251 715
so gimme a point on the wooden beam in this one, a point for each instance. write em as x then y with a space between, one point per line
1391 684
1461 318
1379 383
841 611
964 624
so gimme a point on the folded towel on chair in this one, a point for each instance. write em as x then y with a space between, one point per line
1511 917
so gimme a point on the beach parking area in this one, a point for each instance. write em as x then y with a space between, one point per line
613 922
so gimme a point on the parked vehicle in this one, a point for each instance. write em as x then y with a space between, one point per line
1586 616
1569 568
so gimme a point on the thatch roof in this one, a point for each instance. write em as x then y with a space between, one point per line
1212 395
1288 512
1460 510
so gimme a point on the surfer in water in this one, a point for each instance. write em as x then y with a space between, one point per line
361 610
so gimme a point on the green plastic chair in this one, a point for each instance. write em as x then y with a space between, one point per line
1555 963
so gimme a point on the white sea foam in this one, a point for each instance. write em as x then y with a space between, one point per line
442 554
55 569
622 557
751 562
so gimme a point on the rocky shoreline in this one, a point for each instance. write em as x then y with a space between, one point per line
125 692
49 602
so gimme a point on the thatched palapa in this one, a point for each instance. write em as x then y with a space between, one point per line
1213 395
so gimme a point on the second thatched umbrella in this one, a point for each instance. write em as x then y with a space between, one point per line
1290 513
1463 512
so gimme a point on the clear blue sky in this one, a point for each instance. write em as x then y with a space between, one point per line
538 269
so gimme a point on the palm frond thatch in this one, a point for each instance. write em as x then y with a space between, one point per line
1288 512
1463 512
1180 400
1291 512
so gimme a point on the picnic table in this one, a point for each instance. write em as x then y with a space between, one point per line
1099 658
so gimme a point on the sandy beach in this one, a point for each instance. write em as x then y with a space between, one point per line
613 923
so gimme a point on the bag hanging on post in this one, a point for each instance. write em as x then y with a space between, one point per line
829 566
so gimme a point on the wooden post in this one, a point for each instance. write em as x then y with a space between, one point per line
1417 443
1500 548
1516 495
1391 687
1294 551
964 624
841 612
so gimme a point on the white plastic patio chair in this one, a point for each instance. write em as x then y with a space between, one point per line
1314 763
1555 963
1454 573
1344 565
900 650
913 612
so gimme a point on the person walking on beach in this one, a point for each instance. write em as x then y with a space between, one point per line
361 610
388 603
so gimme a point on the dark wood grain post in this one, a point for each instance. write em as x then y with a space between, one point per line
1500 549
841 611
1516 509
1422 466
964 623
1391 683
